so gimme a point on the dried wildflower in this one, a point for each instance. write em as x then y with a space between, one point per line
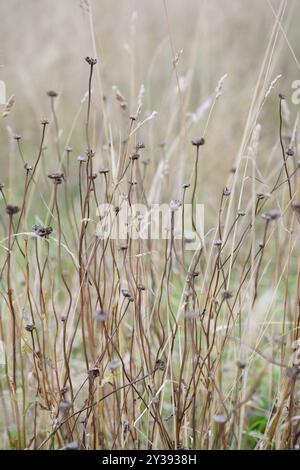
160 365
123 247
57 177
42 232
90 154
81 158
100 315
226 295
126 293
93 176
94 372
218 243
281 96
17 137
271 215
91 61
241 213
52 94
198 142
290 152
226 191
185 185
30 327
28 167
135 156
260 195
69 149
241 364
44 122
105 171
12 210
141 287
140 146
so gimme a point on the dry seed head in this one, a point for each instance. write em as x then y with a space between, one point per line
94 372
12 210
91 61
198 142
160 365
52 94
271 215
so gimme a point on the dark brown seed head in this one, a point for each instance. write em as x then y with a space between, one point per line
57 177
104 171
52 94
227 295
29 328
160 364
12 210
198 142
94 372
91 61
42 232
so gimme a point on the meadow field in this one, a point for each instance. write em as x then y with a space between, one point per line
119 113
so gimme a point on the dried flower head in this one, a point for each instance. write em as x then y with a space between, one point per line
12 210
105 171
160 364
226 295
198 142
52 94
42 232
30 327
94 372
91 61
57 177
271 215
290 152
